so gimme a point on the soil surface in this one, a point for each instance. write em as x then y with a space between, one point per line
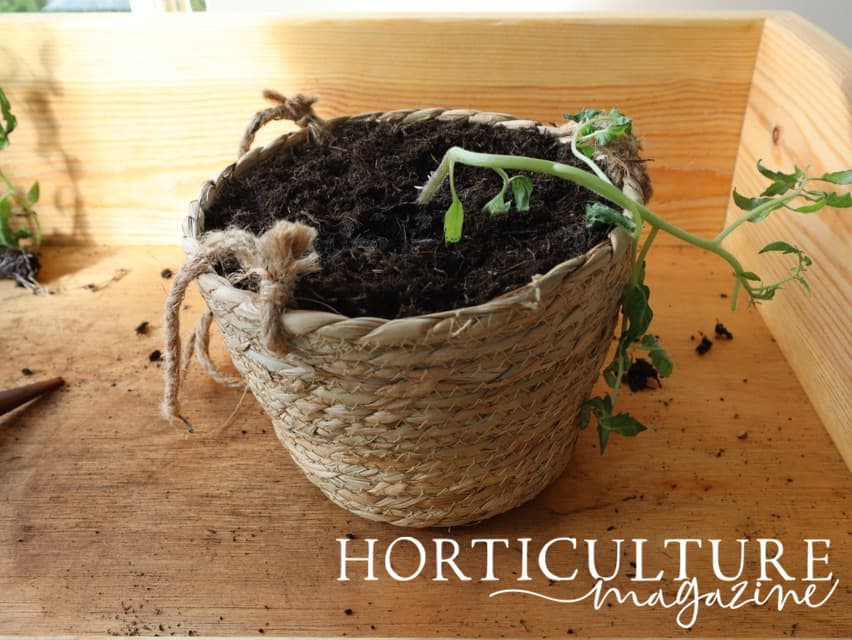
382 254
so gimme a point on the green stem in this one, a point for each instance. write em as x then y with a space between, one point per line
584 158
584 178
651 235
756 213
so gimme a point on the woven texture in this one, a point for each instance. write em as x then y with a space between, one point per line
438 420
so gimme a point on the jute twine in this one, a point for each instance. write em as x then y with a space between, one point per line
437 420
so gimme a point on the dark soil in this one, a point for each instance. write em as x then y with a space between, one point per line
640 374
382 254
704 346
19 265
722 332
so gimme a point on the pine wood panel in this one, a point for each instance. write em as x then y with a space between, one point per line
123 117
800 112
113 522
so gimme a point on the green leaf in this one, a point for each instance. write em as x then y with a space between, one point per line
522 188
777 189
582 115
838 177
23 233
586 149
623 424
9 120
7 236
33 193
748 204
779 176
659 356
597 213
813 207
497 206
838 199
750 275
783 247
634 305
603 437
453 221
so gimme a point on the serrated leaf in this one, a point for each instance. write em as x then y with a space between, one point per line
750 275
838 199
522 188
748 204
623 424
777 189
7 236
497 206
33 193
838 177
634 305
22 233
5 208
597 213
659 356
453 222
804 284
780 176
783 247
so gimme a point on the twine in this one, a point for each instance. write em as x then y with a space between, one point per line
299 109
278 258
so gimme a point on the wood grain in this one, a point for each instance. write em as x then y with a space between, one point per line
800 112
122 118
113 522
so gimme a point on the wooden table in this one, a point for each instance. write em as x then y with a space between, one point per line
112 521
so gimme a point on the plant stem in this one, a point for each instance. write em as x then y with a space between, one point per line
756 213
588 161
584 178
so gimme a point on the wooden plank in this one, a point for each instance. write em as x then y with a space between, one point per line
122 118
112 521
800 112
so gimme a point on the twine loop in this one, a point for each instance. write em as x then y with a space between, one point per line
299 109
278 258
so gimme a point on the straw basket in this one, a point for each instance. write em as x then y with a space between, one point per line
436 420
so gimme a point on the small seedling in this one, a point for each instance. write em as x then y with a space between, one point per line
795 191
18 219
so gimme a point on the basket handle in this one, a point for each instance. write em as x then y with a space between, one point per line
299 109
279 257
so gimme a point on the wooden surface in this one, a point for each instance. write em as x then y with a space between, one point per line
123 117
113 522
800 112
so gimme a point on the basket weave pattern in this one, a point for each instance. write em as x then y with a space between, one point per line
438 420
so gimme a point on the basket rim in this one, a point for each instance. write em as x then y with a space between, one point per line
301 322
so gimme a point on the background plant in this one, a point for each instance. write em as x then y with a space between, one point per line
795 191
13 204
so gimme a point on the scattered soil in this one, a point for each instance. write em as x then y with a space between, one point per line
704 346
722 332
20 266
382 254
155 356
142 328
640 374
27 371
165 274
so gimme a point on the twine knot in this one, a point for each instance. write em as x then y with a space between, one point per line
278 257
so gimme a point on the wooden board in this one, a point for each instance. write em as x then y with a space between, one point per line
123 117
112 521
800 112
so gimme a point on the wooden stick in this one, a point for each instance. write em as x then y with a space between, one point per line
13 398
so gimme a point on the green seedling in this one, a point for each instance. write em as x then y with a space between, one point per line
795 191
14 205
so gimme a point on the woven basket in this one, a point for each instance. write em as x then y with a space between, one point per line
436 420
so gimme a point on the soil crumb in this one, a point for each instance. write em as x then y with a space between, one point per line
142 328
722 332
704 346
